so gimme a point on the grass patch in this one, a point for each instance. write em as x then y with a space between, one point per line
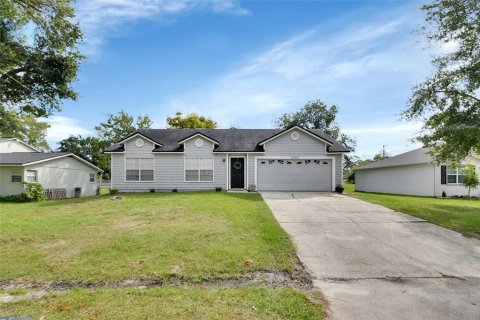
145 236
171 303
461 215
104 191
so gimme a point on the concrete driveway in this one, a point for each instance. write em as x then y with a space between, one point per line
374 263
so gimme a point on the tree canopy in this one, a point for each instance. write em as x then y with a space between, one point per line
120 125
449 101
37 69
88 148
23 126
190 121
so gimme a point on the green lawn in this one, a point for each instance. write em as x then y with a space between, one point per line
461 215
172 303
149 236
145 236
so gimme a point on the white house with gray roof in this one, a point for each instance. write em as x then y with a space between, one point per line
414 173
294 159
58 172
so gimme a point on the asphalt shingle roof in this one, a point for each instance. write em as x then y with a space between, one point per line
230 140
417 156
19 158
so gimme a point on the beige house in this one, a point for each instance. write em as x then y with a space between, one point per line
59 173
414 173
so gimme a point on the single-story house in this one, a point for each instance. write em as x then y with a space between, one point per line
58 172
294 159
414 173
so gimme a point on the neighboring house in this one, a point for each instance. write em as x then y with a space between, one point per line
58 172
204 159
414 173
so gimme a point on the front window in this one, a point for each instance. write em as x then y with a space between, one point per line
455 174
139 169
92 177
31 176
16 175
199 169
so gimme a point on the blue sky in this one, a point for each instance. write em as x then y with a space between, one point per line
244 63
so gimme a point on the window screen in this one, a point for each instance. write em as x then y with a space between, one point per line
31 176
16 175
139 169
199 169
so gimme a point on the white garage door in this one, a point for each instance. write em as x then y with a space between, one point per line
294 175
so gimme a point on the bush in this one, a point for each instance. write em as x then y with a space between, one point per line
22 197
152 190
339 189
351 177
113 191
34 191
218 189
174 190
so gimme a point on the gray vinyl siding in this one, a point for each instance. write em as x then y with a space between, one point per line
251 169
338 170
169 170
169 167
305 146
191 150
130 146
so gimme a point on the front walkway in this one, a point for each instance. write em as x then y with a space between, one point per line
373 263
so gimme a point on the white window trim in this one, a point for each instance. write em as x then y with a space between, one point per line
95 177
36 175
125 169
245 171
198 181
21 175
297 158
457 174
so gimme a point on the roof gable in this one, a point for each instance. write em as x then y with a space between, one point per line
18 142
417 156
281 133
198 134
31 158
138 134
227 140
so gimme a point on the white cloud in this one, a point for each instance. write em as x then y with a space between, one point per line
367 68
343 67
98 17
63 127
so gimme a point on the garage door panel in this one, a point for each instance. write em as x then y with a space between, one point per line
294 175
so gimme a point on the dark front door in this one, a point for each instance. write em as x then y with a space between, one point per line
237 173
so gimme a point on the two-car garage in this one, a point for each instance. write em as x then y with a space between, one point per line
294 174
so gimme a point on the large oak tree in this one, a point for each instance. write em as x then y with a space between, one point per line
449 101
39 59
